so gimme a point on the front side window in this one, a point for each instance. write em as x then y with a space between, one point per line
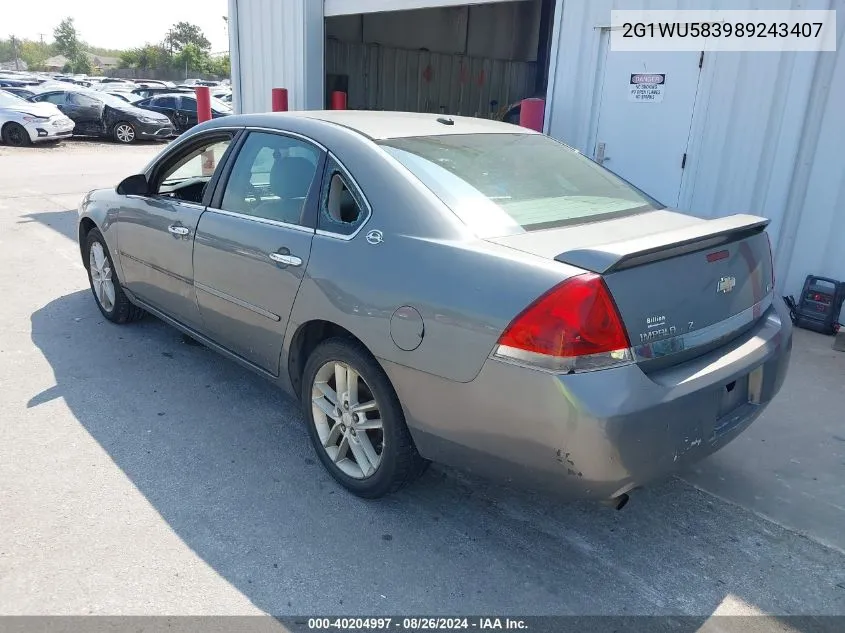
342 208
81 100
271 178
503 184
187 177
164 102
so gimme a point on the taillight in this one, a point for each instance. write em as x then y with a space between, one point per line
574 327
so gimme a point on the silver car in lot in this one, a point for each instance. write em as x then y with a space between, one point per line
450 289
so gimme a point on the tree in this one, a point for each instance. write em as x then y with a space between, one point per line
149 56
220 66
67 40
7 52
184 33
192 57
67 43
34 53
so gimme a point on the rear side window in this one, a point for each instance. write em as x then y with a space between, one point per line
503 184
342 208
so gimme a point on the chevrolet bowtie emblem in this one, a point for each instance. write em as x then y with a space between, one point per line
726 284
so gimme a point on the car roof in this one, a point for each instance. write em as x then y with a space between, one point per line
382 125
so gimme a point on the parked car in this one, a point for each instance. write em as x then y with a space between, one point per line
128 97
98 113
181 108
153 83
152 91
23 122
222 94
450 289
109 86
23 93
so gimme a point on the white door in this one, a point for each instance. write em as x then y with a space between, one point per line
644 118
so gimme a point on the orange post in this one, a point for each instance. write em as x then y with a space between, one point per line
203 104
280 99
338 100
531 113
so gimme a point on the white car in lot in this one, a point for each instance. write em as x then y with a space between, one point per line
23 122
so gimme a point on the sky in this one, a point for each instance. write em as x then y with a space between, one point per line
124 25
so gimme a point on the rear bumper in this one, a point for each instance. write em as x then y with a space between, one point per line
596 434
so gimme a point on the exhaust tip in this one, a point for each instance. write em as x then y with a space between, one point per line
619 502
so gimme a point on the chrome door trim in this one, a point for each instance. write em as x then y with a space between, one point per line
236 301
244 216
706 335
302 137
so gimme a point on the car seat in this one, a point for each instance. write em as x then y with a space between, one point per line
290 180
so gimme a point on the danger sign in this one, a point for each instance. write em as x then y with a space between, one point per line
647 87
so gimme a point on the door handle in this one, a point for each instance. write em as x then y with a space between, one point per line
287 260
178 230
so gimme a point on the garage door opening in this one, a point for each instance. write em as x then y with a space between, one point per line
475 60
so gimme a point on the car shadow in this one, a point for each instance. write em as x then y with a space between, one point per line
224 458
63 222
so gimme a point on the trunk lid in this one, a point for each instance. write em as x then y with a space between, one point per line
682 285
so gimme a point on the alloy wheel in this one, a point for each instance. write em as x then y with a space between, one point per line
101 276
347 418
124 133
15 135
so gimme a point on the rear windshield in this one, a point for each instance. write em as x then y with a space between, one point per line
503 184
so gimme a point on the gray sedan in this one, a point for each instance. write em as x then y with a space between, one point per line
450 289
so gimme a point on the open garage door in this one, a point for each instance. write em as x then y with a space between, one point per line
473 60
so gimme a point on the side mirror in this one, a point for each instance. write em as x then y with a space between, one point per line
136 185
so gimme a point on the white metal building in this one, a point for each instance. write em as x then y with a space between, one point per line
755 132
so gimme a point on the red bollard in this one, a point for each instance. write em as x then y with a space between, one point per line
203 104
280 99
338 100
531 113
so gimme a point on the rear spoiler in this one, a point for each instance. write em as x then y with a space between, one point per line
614 256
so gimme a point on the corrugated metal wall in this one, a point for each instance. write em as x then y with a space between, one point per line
276 44
762 132
384 78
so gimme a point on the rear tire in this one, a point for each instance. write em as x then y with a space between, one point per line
15 134
124 132
108 293
380 432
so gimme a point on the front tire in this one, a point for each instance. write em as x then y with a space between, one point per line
124 132
108 293
355 421
15 134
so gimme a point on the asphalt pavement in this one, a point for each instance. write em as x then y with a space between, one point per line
143 475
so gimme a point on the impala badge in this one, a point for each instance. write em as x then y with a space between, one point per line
726 284
375 237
